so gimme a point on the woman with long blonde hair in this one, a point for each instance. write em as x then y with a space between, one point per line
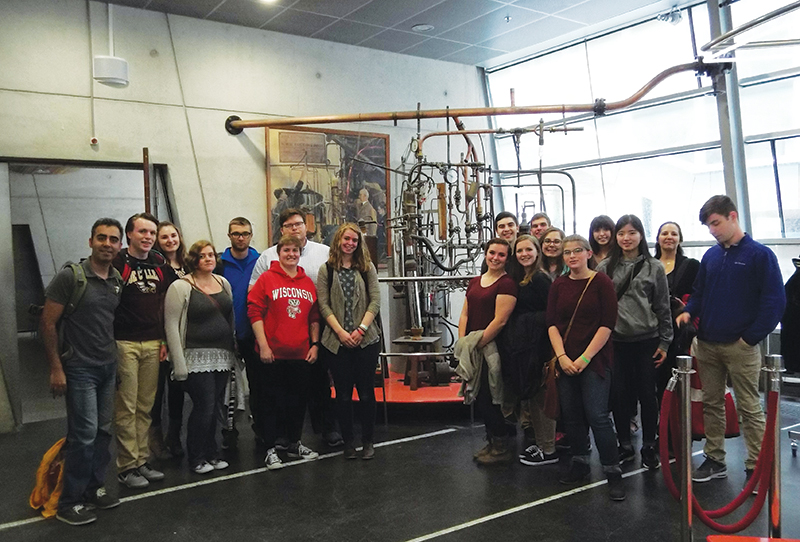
349 301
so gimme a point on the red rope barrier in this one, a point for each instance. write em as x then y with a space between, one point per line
761 474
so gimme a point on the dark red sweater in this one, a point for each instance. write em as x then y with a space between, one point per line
287 306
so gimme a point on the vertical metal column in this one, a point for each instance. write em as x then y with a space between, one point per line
684 374
775 368
730 121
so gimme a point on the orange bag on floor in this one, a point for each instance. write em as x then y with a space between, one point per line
731 416
49 481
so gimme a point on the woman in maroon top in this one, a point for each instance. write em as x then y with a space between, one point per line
489 303
584 360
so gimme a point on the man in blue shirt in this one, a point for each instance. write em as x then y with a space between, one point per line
739 298
236 265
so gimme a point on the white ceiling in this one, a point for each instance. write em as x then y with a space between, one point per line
473 32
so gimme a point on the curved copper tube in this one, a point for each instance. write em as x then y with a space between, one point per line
235 125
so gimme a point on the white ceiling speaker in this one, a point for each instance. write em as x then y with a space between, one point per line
110 69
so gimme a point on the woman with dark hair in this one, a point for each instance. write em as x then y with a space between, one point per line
601 239
581 312
169 243
522 360
681 272
349 301
198 319
282 307
552 260
488 304
641 337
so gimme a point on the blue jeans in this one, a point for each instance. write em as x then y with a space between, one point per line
90 408
584 404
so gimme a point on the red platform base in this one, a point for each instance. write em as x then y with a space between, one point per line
397 392
733 538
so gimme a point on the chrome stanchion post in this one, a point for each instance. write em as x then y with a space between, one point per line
684 374
774 368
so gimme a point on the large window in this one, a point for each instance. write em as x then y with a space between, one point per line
661 159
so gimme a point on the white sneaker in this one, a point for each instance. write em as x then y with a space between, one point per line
272 461
202 468
298 451
219 464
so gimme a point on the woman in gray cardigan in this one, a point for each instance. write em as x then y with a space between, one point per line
349 300
198 320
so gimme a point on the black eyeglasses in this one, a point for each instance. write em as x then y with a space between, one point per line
240 234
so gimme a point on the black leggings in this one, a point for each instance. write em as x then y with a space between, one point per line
491 413
355 367
174 392
634 380
283 394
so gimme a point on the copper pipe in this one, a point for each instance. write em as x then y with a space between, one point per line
235 125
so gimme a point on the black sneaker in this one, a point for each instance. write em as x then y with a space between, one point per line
533 456
333 439
650 458
578 472
626 454
709 470
748 473
102 500
562 444
230 439
616 488
76 515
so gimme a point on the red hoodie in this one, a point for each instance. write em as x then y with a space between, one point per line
287 306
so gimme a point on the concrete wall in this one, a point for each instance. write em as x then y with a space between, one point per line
186 77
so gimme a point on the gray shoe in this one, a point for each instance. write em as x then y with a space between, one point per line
709 470
150 473
132 479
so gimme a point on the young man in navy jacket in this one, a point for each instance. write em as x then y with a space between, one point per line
739 298
236 265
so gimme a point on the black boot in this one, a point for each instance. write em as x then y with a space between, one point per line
173 440
578 472
616 488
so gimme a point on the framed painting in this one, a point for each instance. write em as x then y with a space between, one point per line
333 177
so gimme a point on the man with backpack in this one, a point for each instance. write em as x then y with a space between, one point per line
77 328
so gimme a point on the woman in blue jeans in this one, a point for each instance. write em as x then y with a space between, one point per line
581 312
349 301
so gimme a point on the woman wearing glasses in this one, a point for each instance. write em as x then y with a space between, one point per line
553 261
641 337
581 312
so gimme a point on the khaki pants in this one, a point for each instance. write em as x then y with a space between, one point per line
715 362
532 415
137 380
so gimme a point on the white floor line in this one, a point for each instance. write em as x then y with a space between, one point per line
526 506
790 427
12 524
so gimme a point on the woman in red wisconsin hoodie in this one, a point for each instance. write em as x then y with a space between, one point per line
282 307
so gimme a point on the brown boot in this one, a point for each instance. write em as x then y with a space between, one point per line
500 452
156 441
482 452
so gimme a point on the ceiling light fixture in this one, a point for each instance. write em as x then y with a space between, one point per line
422 27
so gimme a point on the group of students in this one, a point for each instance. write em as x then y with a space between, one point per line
586 306
128 330
296 322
